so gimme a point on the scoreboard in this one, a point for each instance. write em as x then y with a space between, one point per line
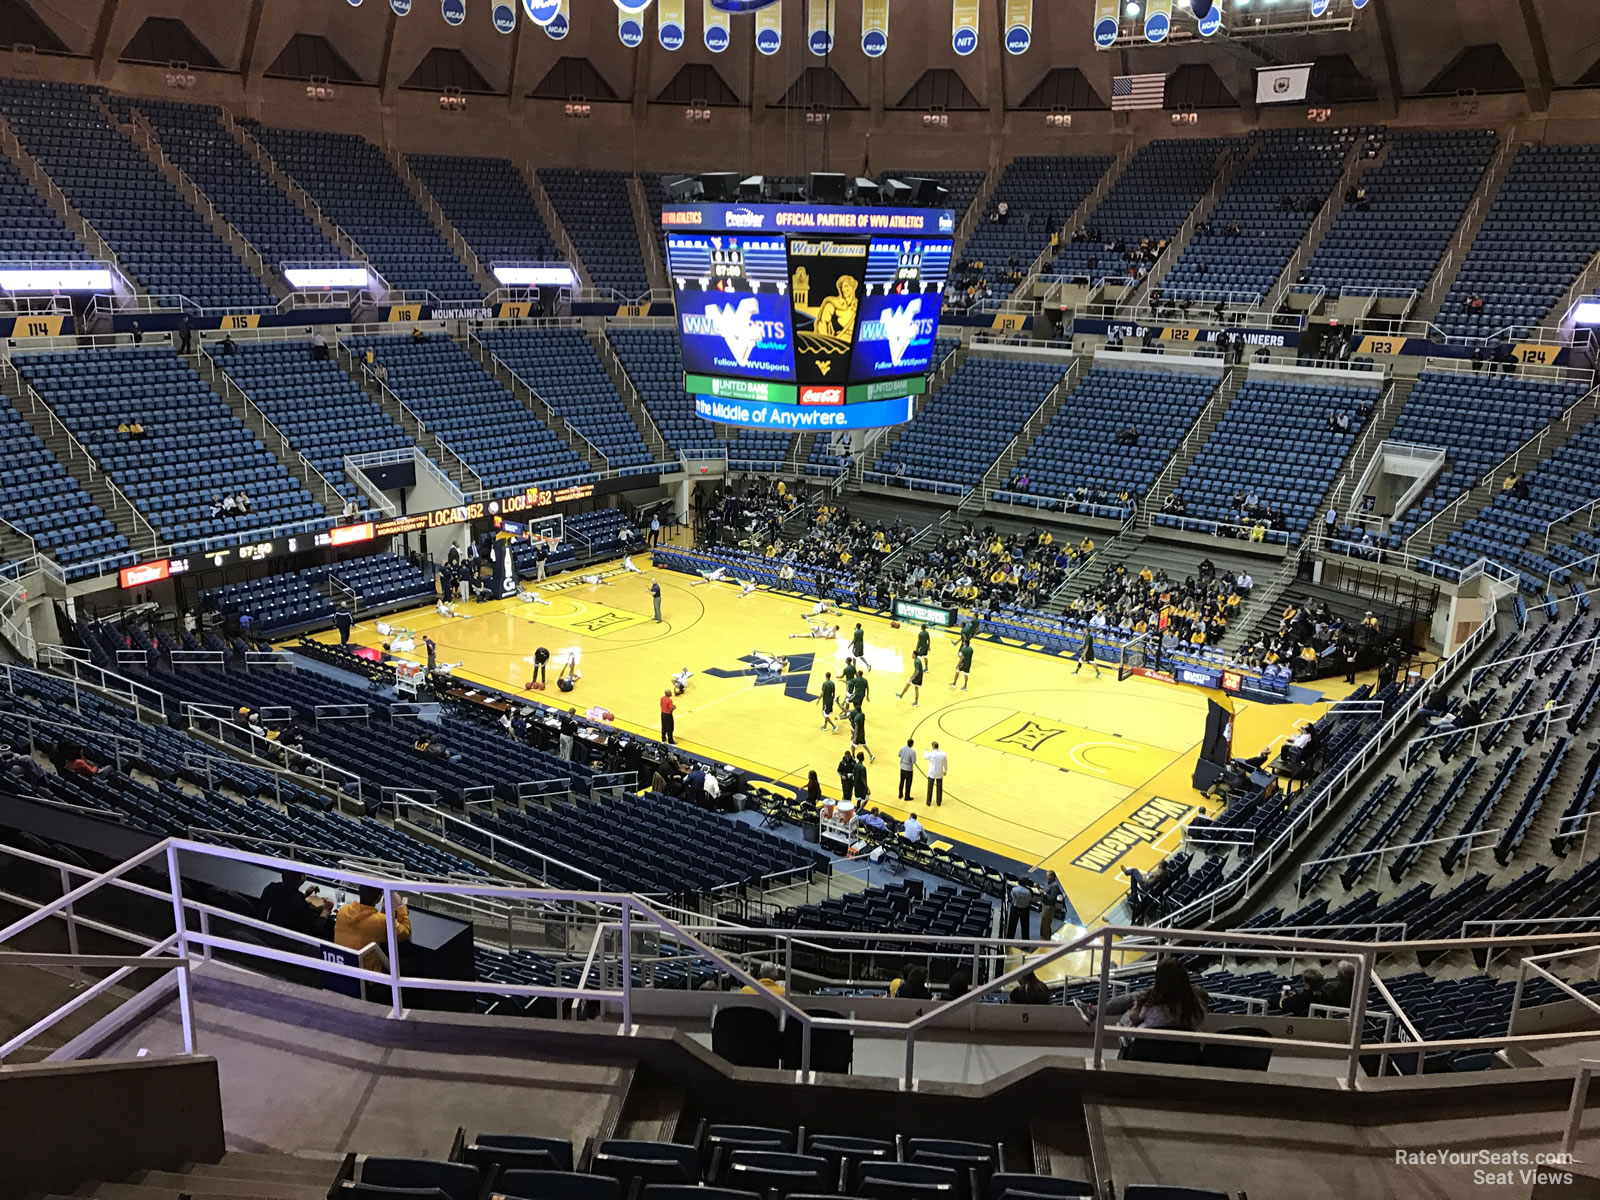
835 309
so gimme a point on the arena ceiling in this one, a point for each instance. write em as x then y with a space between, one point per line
1397 49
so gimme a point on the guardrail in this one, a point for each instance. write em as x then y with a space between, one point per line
1110 949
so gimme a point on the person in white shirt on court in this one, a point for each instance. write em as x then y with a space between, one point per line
714 575
938 767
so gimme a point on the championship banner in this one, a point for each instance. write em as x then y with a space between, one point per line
402 8
821 18
541 12
964 26
769 28
630 28
874 27
1018 28
1106 23
556 28
503 16
455 11
1157 20
670 24
716 27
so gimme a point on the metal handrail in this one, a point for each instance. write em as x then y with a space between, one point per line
1111 944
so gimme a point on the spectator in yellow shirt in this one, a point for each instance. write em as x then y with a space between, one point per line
769 977
361 922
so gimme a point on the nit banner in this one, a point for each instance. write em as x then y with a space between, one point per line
964 26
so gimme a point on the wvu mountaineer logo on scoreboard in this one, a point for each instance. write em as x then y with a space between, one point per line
899 327
735 324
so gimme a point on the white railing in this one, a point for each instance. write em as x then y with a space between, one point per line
1514 463
1568 516
615 951
70 664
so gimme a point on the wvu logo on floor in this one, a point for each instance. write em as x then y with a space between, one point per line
1145 824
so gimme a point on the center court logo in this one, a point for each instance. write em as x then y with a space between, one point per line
899 327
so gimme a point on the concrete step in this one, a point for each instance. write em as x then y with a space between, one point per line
220 1181
266 1166
169 1185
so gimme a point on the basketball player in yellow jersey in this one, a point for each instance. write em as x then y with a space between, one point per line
837 316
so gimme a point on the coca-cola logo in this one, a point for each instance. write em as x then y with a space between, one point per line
822 395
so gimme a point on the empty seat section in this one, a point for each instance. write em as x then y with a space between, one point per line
193 450
1275 443
1152 198
319 408
963 429
359 189
597 213
1415 200
1249 237
155 234
562 367
1541 231
43 500
1084 445
493 432
488 200
193 136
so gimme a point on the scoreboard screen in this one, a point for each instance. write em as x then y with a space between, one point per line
900 312
807 293
733 315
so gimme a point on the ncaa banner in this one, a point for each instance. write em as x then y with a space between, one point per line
821 17
541 12
455 11
874 27
1157 20
1018 26
964 26
504 16
402 8
716 27
558 26
1106 23
769 28
670 24
630 28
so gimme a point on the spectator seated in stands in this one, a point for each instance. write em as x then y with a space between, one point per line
1195 612
1030 989
361 923
1172 1001
286 904
1298 1003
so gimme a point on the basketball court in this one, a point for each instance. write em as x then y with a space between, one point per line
1074 772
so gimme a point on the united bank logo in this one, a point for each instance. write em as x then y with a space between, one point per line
736 325
899 327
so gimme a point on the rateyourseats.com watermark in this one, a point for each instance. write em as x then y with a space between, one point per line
1497 1168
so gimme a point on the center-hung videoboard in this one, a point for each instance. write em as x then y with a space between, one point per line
834 309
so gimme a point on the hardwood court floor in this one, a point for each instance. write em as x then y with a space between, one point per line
1073 772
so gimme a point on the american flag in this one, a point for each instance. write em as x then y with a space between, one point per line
1137 91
